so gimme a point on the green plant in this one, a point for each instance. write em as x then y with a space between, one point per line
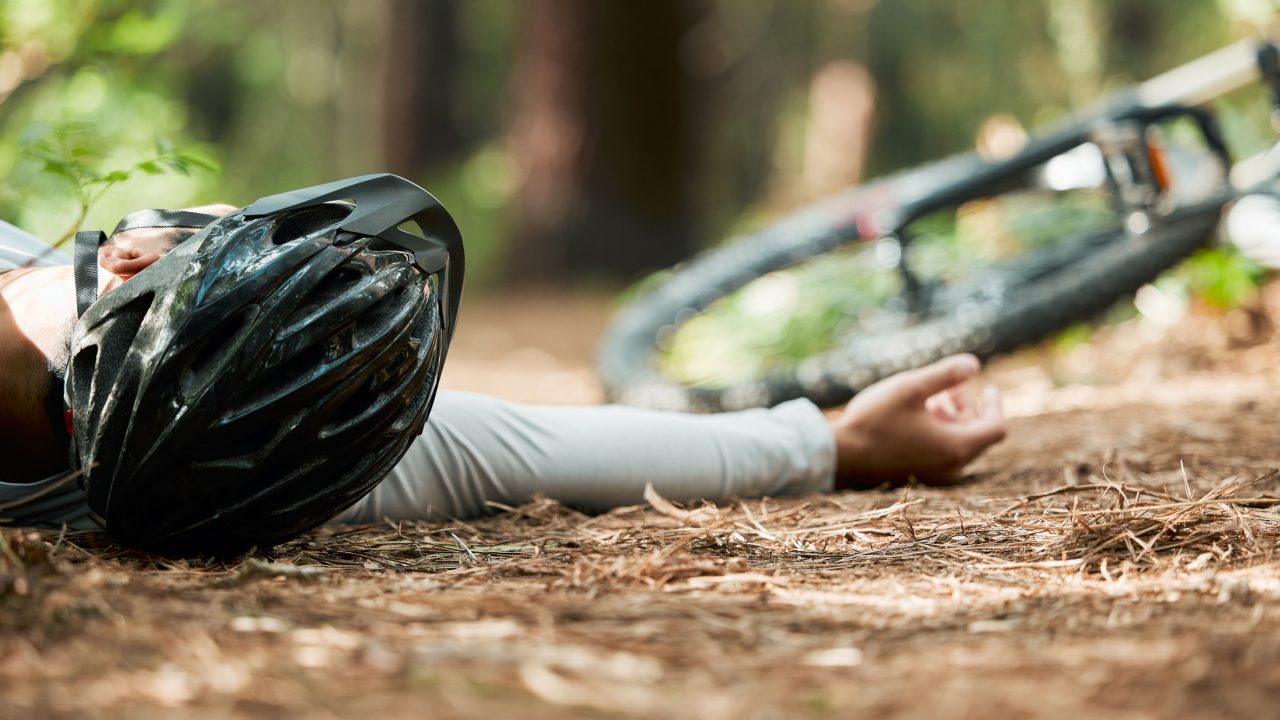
1221 276
73 153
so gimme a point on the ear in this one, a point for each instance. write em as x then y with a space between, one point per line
123 262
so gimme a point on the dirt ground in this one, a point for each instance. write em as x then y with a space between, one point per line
1115 557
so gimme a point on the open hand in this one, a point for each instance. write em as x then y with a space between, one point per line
919 423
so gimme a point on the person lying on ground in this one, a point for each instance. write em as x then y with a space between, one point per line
478 451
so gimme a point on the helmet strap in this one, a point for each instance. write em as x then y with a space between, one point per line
184 219
86 268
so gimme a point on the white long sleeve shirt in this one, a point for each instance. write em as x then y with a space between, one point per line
476 449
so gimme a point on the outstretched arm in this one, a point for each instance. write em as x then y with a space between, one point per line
477 449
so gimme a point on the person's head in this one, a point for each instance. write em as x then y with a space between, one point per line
246 384
264 374
37 314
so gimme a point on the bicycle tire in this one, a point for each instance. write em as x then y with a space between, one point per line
1094 272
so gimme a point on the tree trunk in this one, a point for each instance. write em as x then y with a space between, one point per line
606 132
422 50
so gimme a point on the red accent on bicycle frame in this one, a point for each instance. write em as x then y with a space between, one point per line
1159 166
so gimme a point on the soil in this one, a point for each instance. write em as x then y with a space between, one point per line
1116 557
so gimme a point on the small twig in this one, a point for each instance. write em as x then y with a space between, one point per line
465 549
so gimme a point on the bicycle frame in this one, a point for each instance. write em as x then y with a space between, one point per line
1120 128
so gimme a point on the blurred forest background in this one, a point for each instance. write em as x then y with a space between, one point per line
574 140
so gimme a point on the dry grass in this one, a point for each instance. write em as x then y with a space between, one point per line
1106 528
759 609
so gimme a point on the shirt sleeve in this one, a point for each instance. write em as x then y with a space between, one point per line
19 248
51 502
476 449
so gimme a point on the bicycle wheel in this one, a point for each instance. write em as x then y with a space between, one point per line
989 310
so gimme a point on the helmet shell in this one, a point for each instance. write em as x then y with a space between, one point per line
255 381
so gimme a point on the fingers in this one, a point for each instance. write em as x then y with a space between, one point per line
983 431
942 406
124 263
919 384
980 435
148 241
965 405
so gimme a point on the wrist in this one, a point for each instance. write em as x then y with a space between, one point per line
853 445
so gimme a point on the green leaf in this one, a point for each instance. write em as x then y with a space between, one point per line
177 166
59 168
41 152
116 176
150 167
70 128
197 159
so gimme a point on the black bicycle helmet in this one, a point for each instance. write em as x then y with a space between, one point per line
267 372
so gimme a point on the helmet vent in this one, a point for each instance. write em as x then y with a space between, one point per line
308 364
357 407
413 228
304 222
219 346
375 320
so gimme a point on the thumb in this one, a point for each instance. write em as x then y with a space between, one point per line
919 384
